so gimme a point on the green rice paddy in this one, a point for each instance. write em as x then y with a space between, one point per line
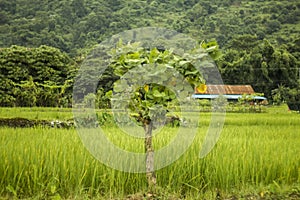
257 155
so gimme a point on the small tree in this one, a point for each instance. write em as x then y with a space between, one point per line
156 71
293 98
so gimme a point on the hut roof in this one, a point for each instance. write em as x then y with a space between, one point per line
227 89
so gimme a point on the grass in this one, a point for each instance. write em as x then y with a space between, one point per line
37 113
257 155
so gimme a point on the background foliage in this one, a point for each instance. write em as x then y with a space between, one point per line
259 40
75 25
35 77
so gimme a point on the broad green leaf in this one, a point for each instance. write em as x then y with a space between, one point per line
149 96
135 55
191 72
119 87
156 93
183 62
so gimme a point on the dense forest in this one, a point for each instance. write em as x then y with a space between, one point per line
259 41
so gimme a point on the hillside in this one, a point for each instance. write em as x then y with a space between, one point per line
73 26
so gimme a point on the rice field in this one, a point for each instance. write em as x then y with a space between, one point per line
257 156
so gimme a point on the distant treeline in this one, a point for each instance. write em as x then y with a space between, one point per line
259 41
44 76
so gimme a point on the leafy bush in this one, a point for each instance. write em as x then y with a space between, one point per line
293 99
35 77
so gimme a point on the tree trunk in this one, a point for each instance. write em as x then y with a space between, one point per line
150 173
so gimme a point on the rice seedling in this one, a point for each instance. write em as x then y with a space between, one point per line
255 153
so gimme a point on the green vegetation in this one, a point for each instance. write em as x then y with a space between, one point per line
35 77
259 39
260 64
293 98
44 76
257 155
44 43
152 100
53 163
73 26
39 113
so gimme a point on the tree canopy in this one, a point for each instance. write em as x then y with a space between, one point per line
35 76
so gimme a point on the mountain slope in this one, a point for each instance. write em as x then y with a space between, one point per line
73 26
